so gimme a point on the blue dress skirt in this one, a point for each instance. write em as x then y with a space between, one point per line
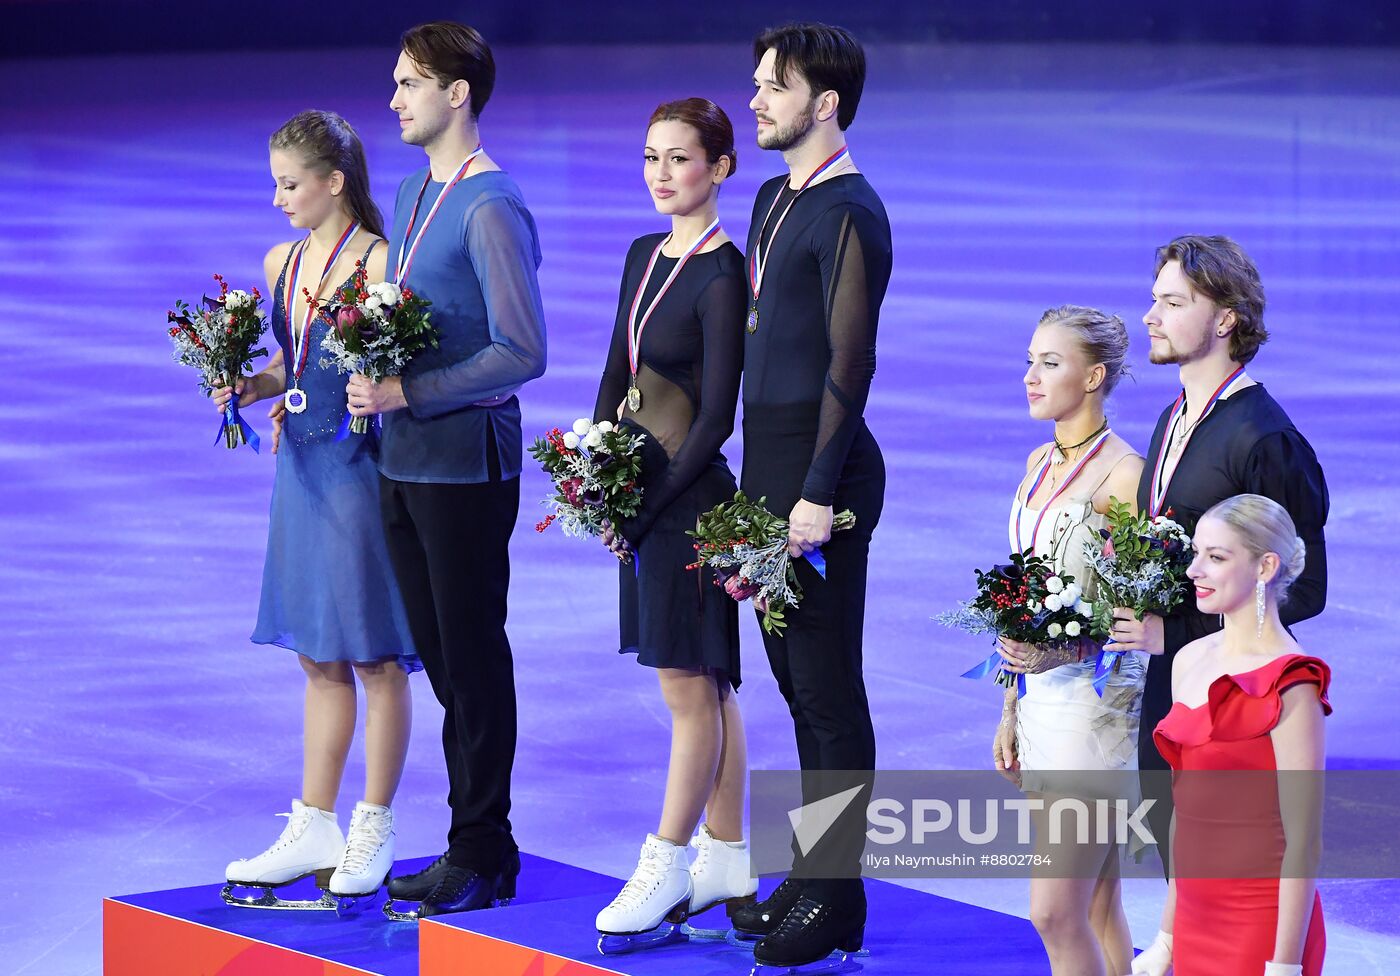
328 589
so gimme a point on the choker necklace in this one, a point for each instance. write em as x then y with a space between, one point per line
1062 450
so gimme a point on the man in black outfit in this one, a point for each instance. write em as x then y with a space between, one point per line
819 258
1223 436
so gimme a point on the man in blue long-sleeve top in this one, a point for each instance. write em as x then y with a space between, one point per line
451 451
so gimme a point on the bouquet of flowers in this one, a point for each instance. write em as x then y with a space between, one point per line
374 330
746 546
217 337
1141 565
594 468
1025 600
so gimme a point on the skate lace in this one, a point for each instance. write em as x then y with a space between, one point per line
297 823
650 873
803 914
702 854
364 840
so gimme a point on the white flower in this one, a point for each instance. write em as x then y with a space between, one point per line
581 426
1054 630
1035 606
386 291
1054 584
571 441
1071 595
606 427
373 303
1072 628
1086 610
1053 603
593 438
237 299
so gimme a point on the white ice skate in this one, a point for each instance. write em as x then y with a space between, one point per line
719 874
369 855
310 846
645 913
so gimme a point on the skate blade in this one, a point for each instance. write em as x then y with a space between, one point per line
742 940
261 896
396 915
663 935
837 962
351 906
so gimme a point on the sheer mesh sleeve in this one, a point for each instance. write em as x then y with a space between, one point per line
855 268
617 369
721 308
1282 466
500 241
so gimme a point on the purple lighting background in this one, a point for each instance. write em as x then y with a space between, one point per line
144 742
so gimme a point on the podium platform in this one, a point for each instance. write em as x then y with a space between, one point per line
548 931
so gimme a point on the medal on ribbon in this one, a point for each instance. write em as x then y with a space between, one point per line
295 398
636 326
760 254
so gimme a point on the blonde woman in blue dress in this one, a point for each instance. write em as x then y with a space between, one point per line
1076 357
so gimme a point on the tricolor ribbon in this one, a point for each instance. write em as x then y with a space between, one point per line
232 418
301 348
757 259
402 264
635 328
1157 495
1040 479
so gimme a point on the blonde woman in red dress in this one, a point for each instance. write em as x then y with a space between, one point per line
1246 699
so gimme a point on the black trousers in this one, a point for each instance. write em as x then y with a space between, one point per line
818 666
449 544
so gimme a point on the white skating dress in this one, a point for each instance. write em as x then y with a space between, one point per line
1061 722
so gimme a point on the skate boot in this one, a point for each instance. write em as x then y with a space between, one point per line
466 890
646 912
310 846
821 934
369 854
719 874
753 922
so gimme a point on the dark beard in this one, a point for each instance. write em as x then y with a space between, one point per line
784 139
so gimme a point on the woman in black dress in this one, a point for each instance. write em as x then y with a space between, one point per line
672 375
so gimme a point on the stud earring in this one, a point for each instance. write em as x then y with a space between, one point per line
1260 602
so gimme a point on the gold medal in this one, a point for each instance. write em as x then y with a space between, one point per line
634 398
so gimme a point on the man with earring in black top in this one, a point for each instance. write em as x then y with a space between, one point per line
818 263
1224 435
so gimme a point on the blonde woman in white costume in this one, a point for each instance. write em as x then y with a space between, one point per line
1062 725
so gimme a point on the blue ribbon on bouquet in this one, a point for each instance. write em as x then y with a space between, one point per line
989 666
232 418
1108 660
373 432
817 560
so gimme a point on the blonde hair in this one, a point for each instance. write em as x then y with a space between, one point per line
1103 337
1265 526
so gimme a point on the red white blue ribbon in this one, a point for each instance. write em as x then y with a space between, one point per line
759 256
402 265
1016 545
300 347
635 327
1157 495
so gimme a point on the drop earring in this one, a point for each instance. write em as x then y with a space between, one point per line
1259 607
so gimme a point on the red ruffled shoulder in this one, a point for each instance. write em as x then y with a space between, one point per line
1240 706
